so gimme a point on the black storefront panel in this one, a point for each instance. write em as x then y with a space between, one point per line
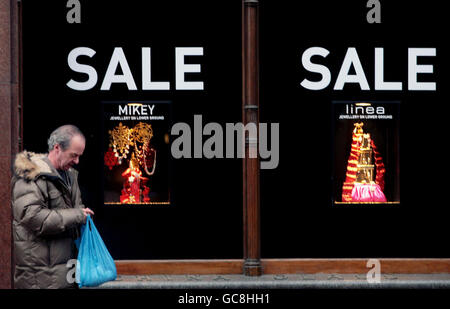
131 67
324 68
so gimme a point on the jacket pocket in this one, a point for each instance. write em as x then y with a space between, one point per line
39 252
53 194
60 251
56 199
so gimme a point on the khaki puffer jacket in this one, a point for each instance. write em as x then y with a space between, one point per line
46 216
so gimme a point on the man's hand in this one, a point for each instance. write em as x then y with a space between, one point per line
87 211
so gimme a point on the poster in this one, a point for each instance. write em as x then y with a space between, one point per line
366 152
135 152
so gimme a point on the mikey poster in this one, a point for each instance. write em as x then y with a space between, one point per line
135 152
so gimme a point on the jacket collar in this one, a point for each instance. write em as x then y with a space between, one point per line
30 165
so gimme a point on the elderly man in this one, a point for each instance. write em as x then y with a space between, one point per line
47 210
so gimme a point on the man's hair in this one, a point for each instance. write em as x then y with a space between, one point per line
62 136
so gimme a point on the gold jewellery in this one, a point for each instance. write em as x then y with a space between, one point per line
122 138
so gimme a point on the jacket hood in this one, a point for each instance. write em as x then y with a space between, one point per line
29 165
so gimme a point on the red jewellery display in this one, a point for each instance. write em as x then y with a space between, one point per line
359 185
132 145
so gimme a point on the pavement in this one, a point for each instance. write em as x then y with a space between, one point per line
280 281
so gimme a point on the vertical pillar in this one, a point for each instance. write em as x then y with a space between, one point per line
10 124
250 115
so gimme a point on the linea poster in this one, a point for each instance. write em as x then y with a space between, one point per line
366 152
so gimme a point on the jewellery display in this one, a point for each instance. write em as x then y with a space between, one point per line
120 141
134 185
133 146
359 185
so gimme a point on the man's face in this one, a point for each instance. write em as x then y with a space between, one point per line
69 157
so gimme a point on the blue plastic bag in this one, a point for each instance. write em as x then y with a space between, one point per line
95 264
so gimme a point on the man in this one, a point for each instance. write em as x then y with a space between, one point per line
47 211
